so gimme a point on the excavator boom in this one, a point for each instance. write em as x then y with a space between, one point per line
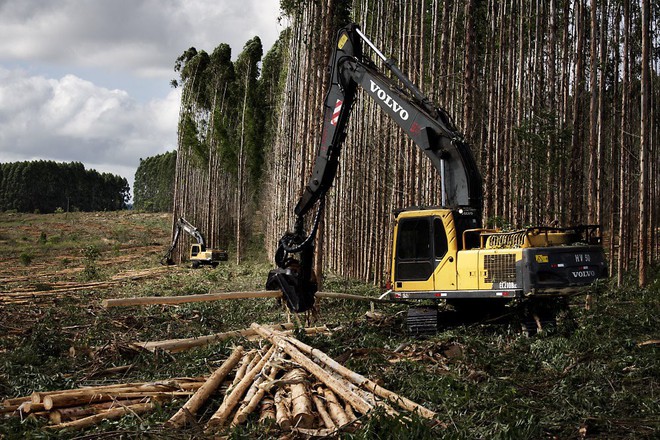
430 128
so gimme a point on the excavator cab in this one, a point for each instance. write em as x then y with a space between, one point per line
426 244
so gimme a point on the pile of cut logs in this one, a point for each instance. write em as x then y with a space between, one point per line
82 407
299 388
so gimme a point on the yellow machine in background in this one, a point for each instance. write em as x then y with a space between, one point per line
199 254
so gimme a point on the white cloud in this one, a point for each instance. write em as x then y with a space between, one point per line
140 36
70 119
87 80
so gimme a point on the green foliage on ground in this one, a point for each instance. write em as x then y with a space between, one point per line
592 376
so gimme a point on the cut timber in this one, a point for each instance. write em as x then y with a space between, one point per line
245 410
267 411
31 407
58 416
335 409
173 300
349 412
61 401
108 414
220 296
301 403
320 407
231 400
179 384
339 387
360 380
178 345
242 369
282 414
205 391
337 295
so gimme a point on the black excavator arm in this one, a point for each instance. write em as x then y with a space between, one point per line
430 128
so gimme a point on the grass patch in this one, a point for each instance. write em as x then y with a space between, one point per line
591 377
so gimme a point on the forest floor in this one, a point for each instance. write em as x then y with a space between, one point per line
593 376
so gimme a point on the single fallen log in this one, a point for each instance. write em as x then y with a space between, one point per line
66 400
205 391
323 412
174 300
58 416
109 414
335 409
220 296
233 398
178 345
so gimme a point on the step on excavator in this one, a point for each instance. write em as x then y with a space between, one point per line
199 255
438 252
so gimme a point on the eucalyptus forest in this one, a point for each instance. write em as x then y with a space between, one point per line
557 100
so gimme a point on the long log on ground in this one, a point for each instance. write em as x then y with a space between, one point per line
178 345
360 380
220 296
182 299
109 414
58 416
61 401
177 384
238 391
57 398
334 384
205 391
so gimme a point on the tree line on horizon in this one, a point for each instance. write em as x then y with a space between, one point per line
48 186
558 100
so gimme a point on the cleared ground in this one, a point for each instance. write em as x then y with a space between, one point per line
594 376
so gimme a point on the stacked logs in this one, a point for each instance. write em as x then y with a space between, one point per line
288 384
87 406
297 387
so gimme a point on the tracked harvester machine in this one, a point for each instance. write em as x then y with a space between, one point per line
199 254
438 253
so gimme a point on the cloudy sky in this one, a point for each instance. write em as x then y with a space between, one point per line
88 80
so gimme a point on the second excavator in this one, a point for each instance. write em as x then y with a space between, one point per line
439 252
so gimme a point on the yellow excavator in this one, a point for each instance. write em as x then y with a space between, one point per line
199 254
441 252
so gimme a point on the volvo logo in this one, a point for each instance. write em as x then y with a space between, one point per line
389 101
584 274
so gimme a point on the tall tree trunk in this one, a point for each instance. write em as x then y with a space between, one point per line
643 250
